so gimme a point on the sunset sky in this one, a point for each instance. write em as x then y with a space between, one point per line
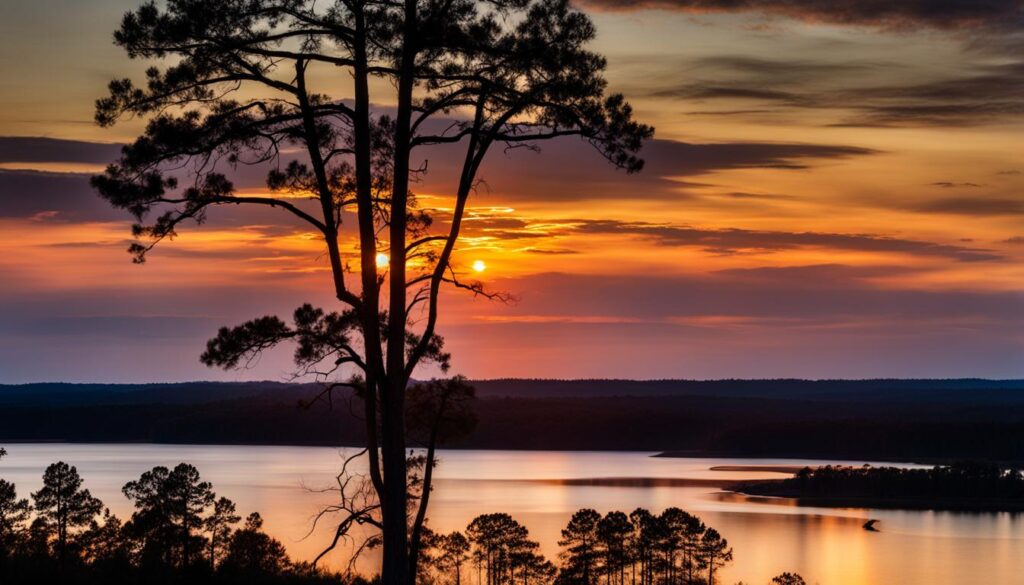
835 189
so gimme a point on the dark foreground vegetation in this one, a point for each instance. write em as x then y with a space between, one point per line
182 532
897 420
639 548
961 486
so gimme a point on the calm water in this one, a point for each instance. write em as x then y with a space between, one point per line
827 546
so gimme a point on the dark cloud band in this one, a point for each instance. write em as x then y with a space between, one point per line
909 14
983 95
731 241
26 149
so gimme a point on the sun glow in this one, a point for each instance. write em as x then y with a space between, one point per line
382 260
479 266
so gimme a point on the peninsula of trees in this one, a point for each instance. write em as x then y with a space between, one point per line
960 486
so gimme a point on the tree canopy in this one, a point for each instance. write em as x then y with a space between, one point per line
62 506
241 82
176 520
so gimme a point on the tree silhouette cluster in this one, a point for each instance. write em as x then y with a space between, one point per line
968 484
179 532
641 548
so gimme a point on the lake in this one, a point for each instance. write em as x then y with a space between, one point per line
827 546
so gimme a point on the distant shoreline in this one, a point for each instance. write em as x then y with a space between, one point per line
674 454
808 456
963 486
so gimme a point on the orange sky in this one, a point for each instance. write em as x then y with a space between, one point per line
830 194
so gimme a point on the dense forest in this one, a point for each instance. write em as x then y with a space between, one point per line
182 532
897 420
962 485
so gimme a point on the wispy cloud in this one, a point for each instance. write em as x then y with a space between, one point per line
568 170
727 241
986 94
974 206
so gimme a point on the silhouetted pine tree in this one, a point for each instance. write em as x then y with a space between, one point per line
580 555
62 506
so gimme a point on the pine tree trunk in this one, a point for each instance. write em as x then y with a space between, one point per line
395 529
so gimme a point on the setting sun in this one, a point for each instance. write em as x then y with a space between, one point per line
479 266
382 260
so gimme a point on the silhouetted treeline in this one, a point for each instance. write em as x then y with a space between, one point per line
698 425
968 423
180 532
970 485
785 388
641 548
973 390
